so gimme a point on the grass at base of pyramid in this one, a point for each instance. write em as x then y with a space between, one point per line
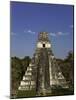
55 92
31 93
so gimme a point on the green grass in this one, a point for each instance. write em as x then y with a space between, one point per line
22 94
61 92
55 92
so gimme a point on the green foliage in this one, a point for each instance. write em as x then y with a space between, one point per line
18 68
61 91
54 92
67 67
25 62
22 94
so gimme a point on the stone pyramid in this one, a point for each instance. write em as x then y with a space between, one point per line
43 72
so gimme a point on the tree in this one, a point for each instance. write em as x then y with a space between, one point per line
67 67
18 68
25 62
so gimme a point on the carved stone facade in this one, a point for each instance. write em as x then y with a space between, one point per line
43 71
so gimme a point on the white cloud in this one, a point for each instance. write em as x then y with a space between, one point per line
58 34
62 33
29 31
52 34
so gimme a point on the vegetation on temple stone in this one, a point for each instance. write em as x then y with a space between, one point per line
19 66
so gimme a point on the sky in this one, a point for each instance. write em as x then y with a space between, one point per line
28 19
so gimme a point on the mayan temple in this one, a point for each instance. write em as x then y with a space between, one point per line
43 72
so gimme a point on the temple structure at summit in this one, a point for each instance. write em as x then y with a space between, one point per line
43 73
